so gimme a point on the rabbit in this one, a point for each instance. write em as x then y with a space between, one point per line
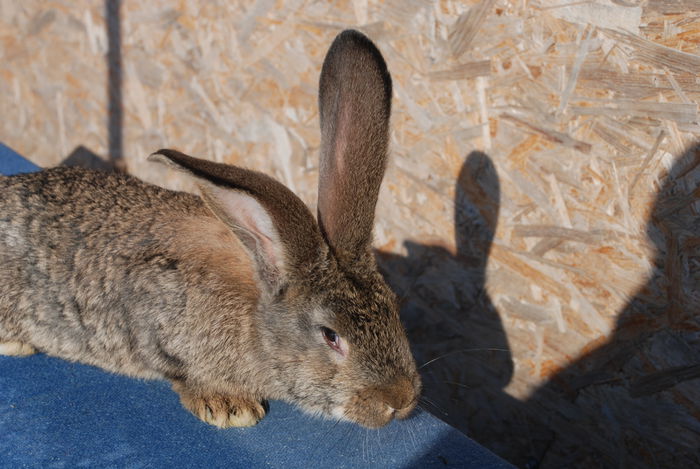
236 297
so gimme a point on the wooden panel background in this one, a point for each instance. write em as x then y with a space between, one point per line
539 218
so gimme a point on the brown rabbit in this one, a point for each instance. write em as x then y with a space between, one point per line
235 297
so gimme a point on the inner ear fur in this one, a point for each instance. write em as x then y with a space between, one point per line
273 224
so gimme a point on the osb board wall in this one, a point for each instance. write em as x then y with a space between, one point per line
539 218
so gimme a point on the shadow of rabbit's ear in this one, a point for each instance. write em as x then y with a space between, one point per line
477 201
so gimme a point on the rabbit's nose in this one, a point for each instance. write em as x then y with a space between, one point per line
400 394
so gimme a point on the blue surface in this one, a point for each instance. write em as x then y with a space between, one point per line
12 163
57 414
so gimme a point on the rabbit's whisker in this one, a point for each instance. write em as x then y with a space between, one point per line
412 435
463 351
425 400
327 433
453 383
365 446
461 385
378 433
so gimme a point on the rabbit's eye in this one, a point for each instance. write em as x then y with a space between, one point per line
331 338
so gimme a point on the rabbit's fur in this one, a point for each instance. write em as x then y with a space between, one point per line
233 296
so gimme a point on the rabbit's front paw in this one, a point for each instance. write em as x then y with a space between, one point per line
17 349
226 411
221 410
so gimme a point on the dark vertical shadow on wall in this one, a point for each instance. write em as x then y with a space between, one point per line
115 109
81 155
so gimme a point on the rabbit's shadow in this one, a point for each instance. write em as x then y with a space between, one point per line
455 331
625 403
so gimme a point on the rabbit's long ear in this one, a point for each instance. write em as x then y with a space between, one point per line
355 105
274 225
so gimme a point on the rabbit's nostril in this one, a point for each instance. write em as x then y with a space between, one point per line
401 413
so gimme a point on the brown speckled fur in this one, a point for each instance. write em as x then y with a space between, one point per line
107 270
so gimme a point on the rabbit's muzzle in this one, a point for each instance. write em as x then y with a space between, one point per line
376 406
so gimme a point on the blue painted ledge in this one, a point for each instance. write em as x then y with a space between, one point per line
56 414
12 163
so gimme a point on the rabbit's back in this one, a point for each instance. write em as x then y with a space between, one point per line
88 272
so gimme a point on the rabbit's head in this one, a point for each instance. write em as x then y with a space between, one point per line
327 322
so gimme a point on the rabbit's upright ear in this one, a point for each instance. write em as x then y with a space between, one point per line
273 224
355 105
